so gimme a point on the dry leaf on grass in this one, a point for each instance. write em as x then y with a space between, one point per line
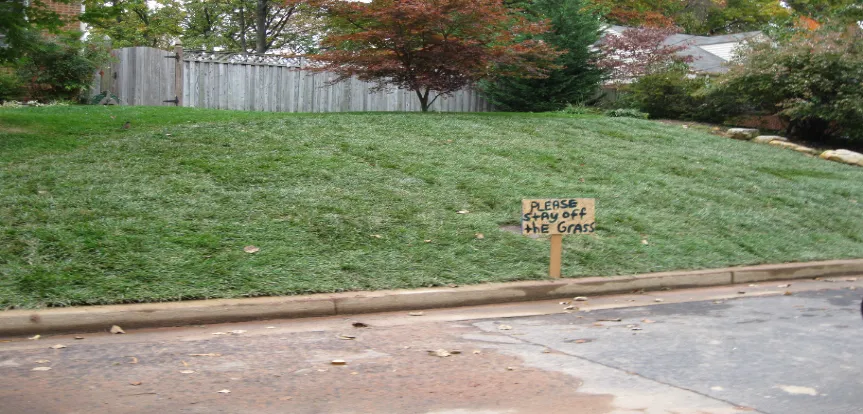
427 241
41 369
463 211
117 330
79 337
58 346
251 249
35 337
136 383
224 391
479 236
477 352
377 236
439 353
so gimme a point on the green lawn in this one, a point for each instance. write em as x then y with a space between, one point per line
92 214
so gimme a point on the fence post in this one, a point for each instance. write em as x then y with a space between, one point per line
178 72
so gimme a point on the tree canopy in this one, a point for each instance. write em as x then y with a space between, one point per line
432 46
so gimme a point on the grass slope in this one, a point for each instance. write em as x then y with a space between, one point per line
92 214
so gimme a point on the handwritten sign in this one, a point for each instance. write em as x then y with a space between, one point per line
558 216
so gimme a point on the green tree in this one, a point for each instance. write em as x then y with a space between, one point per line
21 22
154 23
258 26
812 79
574 29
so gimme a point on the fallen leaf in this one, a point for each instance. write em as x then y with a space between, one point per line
79 337
187 371
360 325
58 346
338 362
416 314
285 398
580 298
510 369
270 327
377 236
644 242
219 333
355 373
546 351
479 236
42 361
224 391
136 383
455 352
117 330
659 300
609 320
251 249
185 364
784 286
647 321
238 331
347 337
134 360
581 341
570 307
597 324
35 337
439 353
787 293
41 369
477 352
718 302
504 327
463 211
753 285
205 355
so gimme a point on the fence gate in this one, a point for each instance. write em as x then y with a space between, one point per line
140 76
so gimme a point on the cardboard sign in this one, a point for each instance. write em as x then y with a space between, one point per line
558 216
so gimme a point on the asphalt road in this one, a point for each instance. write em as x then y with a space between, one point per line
741 349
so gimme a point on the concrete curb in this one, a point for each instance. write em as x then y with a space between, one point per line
97 318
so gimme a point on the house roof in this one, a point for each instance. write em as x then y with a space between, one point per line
710 53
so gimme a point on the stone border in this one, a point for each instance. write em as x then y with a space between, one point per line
149 315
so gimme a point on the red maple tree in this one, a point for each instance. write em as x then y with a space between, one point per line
431 46
639 51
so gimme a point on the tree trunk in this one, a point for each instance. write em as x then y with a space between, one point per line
243 30
261 26
424 100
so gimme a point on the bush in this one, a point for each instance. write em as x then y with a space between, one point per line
59 68
812 79
579 109
10 87
626 113
677 94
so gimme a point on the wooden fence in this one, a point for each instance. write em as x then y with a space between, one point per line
145 76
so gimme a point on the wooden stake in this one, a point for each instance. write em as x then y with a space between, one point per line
556 253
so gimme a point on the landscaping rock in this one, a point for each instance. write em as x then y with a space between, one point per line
844 156
744 134
795 147
765 139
